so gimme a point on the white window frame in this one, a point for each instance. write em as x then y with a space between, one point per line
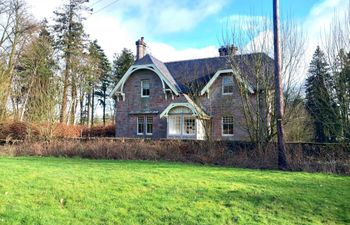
183 125
223 85
137 125
146 123
149 88
222 127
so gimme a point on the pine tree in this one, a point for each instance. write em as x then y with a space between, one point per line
319 99
69 32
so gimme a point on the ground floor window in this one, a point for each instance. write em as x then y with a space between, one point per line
227 125
144 122
149 127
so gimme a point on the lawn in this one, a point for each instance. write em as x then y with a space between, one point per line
75 191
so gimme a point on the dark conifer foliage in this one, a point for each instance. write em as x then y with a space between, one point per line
320 100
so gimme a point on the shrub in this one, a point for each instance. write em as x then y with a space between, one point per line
99 131
61 130
332 158
17 131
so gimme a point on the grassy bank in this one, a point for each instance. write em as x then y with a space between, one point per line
75 191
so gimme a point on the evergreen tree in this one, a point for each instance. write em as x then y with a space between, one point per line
319 99
105 81
70 36
121 64
342 90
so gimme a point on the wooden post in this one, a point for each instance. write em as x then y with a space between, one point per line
282 162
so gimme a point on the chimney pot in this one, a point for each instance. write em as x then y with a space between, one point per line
227 50
140 48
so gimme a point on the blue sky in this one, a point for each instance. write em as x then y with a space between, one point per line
209 30
185 29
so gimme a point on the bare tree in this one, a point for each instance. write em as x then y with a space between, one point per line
254 41
15 29
336 43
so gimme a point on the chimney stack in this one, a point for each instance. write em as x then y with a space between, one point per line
228 50
140 48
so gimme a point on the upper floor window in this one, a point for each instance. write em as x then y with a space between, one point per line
145 88
227 125
227 85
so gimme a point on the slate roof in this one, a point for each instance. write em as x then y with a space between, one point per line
183 74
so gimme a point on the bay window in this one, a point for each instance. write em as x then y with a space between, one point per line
181 122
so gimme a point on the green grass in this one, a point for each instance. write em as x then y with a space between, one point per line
133 192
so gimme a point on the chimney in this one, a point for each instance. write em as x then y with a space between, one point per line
228 50
140 48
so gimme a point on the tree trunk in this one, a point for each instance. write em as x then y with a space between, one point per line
88 120
65 92
81 108
66 72
92 106
282 161
104 107
74 101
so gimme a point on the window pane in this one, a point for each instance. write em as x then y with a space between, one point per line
140 125
189 125
149 125
228 80
227 125
174 125
228 89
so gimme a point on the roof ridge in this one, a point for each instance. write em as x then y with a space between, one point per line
195 59
214 57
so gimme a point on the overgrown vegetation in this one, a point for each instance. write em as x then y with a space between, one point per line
330 158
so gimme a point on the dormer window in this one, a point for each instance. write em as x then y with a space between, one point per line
227 85
145 88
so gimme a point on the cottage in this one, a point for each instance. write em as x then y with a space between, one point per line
189 99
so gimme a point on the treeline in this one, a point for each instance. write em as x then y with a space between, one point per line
53 73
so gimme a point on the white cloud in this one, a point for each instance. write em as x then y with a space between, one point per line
246 22
43 8
320 18
316 24
115 28
168 53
